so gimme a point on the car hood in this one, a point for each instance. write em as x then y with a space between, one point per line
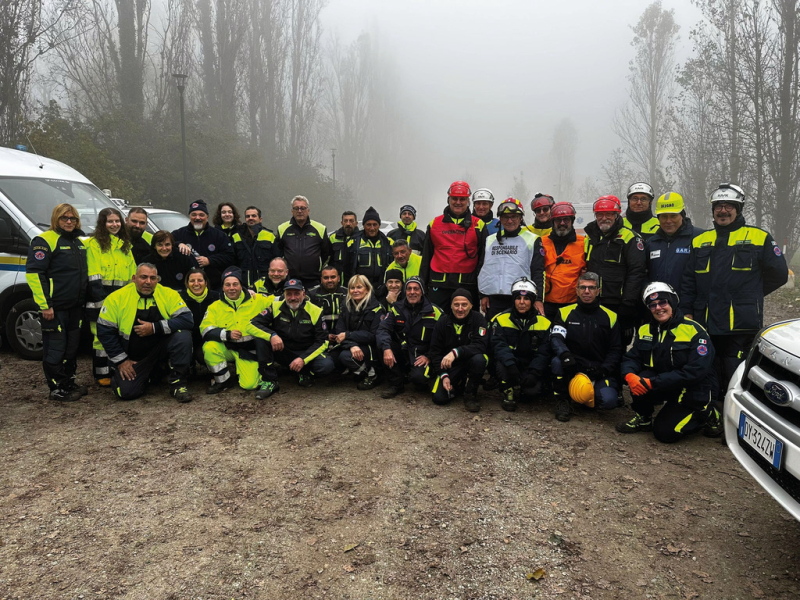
785 335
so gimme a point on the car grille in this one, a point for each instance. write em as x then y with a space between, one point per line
776 372
788 482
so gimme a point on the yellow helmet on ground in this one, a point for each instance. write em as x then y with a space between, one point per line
581 389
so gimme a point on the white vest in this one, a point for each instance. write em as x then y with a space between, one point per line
504 263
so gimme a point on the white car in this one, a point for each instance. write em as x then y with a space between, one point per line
762 413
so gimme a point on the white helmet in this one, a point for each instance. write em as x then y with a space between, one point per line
483 195
641 188
523 287
652 291
728 192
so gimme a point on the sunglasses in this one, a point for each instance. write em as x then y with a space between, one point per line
657 304
541 209
68 219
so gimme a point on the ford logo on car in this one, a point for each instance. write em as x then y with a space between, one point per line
777 393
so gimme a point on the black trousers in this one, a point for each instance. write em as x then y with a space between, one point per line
175 348
321 366
730 351
60 338
404 364
461 370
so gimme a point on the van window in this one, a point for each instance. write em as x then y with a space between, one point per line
169 221
37 198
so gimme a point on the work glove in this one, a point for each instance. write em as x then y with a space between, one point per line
568 361
639 386
595 373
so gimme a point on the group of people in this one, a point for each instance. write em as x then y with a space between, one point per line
538 308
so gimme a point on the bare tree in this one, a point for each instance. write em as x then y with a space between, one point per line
520 190
617 173
641 123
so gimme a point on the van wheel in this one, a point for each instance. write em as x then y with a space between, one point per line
24 330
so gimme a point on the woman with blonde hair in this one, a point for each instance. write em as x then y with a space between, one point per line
111 267
355 333
57 273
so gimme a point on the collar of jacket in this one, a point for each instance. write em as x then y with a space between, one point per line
409 228
463 321
737 223
640 217
199 299
593 228
448 214
504 233
296 224
70 235
235 304
487 219
591 307
675 320
684 230
342 235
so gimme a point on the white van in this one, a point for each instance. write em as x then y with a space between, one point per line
30 188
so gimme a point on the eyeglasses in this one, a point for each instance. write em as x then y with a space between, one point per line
657 304
586 288
299 208
68 219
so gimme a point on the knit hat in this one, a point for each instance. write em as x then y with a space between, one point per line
234 272
198 205
409 208
371 215
462 292
393 274
417 280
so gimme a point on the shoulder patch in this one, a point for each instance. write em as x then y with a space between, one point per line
777 251
702 350
481 331
39 255
640 245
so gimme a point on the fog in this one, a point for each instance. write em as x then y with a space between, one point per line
484 84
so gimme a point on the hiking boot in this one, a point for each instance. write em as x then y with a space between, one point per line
266 389
491 384
369 382
564 409
216 388
508 402
305 380
471 402
62 395
104 382
636 424
71 386
714 426
392 392
182 394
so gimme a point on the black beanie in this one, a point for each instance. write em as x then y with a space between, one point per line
409 208
198 205
234 272
462 292
371 215
418 281
393 274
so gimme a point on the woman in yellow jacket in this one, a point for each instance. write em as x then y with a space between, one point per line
111 267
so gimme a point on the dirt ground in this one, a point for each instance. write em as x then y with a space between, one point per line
335 493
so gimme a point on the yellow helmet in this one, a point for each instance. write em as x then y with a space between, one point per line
669 203
581 389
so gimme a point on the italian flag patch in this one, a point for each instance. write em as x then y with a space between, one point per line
481 331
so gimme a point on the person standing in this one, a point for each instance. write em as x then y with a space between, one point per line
407 230
542 205
210 246
372 250
227 219
453 251
303 243
342 243
136 224
732 267
111 267
57 272
254 246
482 202
639 215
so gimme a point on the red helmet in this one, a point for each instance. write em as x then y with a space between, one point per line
541 200
607 204
562 209
459 189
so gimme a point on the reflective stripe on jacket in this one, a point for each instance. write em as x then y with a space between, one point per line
57 270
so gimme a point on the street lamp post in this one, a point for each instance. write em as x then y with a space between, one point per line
333 158
180 80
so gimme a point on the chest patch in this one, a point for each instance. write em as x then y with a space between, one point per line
682 250
655 254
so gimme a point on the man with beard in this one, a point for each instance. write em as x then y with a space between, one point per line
303 243
254 246
229 337
585 340
341 243
453 251
404 339
541 205
297 336
404 260
142 326
459 352
136 222
639 216
211 246
521 344
329 295
616 254
482 201
277 274
563 260
407 230
372 250
732 267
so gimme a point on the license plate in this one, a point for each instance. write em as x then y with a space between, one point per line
761 439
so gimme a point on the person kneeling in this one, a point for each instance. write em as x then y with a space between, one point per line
227 336
587 350
404 338
521 344
671 362
459 352
141 325
355 333
297 336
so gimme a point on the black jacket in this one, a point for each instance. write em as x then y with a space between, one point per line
360 327
590 332
172 270
341 249
410 326
254 248
517 339
212 243
415 237
330 302
467 338
306 249
198 312
667 256
57 270
302 331
370 257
